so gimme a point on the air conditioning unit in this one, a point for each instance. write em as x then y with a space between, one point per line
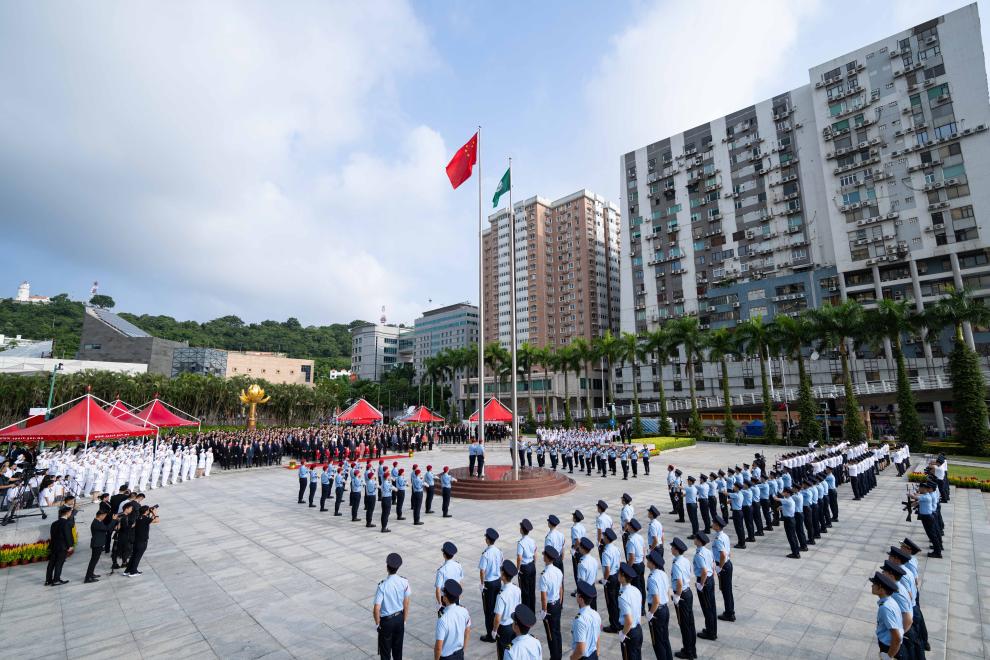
938 226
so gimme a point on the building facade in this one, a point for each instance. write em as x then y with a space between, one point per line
567 270
445 328
107 337
376 349
191 360
861 185
273 367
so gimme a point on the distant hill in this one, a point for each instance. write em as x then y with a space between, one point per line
62 319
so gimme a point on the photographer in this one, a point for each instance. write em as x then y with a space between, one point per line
147 517
100 528
125 536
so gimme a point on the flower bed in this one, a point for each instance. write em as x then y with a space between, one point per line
15 554
960 482
662 443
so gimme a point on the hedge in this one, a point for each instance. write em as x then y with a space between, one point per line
959 482
662 443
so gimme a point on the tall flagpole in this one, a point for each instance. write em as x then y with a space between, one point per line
481 308
512 320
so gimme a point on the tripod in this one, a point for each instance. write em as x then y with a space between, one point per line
26 497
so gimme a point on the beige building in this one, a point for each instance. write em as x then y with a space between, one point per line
567 270
273 367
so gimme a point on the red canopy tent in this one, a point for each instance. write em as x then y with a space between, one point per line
84 421
121 410
361 412
422 415
156 413
494 412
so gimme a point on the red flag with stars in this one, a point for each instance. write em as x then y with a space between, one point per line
460 166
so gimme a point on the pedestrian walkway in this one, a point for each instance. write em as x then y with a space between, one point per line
237 569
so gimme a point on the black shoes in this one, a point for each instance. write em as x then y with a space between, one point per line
488 639
90 579
727 617
400 517
338 514
419 523
704 634
368 525
740 546
794 555
386 531
447 515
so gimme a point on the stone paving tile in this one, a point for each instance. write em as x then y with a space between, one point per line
273 579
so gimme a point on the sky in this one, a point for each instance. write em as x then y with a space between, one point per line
287 159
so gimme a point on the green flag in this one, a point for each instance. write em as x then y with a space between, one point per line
503 187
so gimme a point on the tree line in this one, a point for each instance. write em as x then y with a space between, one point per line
843 329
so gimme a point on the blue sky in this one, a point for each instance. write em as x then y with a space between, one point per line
272 160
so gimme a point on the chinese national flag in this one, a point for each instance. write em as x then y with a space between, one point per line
460 166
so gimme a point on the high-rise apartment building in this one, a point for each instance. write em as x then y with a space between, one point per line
444 328
863 184
567 270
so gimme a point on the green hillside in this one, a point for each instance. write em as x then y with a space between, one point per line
329 345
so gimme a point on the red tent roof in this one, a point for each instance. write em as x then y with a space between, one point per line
84 421
121 410
494 412
422 415
360 412
155 413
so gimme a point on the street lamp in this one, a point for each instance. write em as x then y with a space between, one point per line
51 390
828 438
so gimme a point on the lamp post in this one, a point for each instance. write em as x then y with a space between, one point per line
51 390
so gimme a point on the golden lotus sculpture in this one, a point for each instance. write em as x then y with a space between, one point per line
251 397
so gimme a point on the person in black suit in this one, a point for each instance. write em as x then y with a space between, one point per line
115 502
61 541
147 516
100 530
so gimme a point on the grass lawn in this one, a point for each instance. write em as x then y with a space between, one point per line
967 471
970 459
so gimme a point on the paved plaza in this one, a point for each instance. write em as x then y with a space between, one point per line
238 569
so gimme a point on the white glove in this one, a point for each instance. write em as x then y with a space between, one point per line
543 614
622 636
718 569
699 587
481 588
649 616
676 599
884 656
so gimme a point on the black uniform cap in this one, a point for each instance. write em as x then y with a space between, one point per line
893 568
627 570
553 520
885 582
393 560
609 534
717 519
586 590
701 536
602 505
679 544
551 552
491 534
635 524
627 498
900 554
915 548
524 616
654 511
525 524
449 548
509 568
452 588
656 556
578 516
586 543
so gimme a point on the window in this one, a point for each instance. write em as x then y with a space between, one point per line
945 130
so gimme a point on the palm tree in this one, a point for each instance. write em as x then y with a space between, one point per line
542 356
685 332
968 387
608 347
836 326
498 360
721 344
562 360
792 335
757 338
659 343
525 358
891 320
633 350
586 355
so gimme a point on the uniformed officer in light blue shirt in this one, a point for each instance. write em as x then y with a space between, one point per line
418 486
314 478
391 608
555 539
552 599
526 564
722 555
611 560
303 481
736 500
630 611
370 491
386 491
588 566
890 627
339 479
357 487
657 608
587 625
446 483
505 603
453 630
654 531
449 570
704 578
680 585
489 569
523 646
326 479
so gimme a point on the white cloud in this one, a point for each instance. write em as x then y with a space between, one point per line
226 157
681 64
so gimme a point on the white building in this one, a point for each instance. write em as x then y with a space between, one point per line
24 294
376 349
